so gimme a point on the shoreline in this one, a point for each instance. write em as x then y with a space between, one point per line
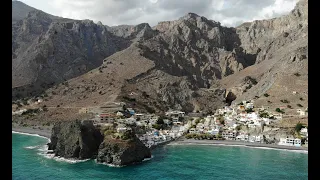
236 143
44 131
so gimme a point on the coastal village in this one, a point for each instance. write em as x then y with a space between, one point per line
239 122
233 122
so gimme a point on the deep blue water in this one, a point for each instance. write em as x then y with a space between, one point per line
169 162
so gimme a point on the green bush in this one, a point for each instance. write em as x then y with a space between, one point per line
297 74
298 127
266 95
299 105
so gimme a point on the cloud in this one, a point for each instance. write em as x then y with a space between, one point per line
116 12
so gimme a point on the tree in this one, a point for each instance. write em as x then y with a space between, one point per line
298 127
278 110
266 95
160 120
299 105
238 128
249 110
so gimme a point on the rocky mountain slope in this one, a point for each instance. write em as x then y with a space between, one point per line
281 67
191 63
48 50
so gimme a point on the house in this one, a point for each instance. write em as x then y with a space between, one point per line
83 110
301 112
242 137
175 114
107 117
119 113
131 111
214 131
123 129
241 107
249 106
290 142
304 131
229 135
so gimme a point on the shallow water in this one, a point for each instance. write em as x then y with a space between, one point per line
168 162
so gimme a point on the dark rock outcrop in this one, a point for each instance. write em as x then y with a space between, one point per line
75 139
82 140
122 152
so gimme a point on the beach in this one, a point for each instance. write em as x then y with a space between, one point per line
184 141
40 130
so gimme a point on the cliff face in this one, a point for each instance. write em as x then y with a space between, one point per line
75 139
122 152
81 140
281 67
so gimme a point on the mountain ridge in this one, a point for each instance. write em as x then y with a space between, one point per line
192 63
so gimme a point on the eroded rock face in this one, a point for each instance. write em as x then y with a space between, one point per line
120 152
82 140
75 139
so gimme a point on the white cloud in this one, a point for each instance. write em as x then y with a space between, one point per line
116 12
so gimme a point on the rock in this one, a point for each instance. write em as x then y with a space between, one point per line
122 152
82 140
75 139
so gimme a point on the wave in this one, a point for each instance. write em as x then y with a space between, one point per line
290 150
112 165
31 147
29 134
147 159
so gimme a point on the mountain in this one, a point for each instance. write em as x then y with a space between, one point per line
48 50
191 63
20 10
281 67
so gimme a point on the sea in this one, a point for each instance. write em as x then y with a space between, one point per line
169 162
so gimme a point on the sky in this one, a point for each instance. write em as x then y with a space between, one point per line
229 13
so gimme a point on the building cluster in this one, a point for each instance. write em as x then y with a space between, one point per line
174 121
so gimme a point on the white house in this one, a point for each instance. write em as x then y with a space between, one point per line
249 106
301 112
290 142
304 131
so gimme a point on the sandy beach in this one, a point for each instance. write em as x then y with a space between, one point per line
228 142
43 131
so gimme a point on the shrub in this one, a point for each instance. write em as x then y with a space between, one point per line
266 95
299 105
284 101
297 74
238 128
298 127
301 99
288 106
249 110
269 101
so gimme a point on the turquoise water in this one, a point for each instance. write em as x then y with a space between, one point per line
169 162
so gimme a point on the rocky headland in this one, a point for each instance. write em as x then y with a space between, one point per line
82 140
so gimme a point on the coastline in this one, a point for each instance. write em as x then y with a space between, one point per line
236 143
43 131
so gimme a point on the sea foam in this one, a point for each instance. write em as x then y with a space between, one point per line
37 135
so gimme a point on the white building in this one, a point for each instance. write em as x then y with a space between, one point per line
249 106
175 114
301 112
290 142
